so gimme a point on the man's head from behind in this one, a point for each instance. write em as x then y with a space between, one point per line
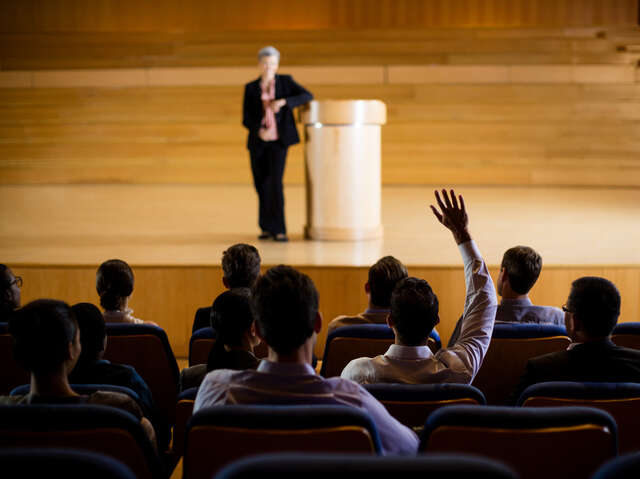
414 311
519 270
240 266
10 286
593 308
383 277
92 331
285 306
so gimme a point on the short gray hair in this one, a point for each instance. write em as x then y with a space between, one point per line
269 52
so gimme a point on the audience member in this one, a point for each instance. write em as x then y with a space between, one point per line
47 344
232 319
383 276
519 271
285 305
92 368
240 269
11 285
591 313
114 284
414 313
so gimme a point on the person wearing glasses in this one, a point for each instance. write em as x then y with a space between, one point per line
268 115
11 285
590 314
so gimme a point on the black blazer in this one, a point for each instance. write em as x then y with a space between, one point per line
599 361
252 113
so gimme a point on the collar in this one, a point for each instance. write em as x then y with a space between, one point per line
376 311
287 369
606 342
397 351
517 302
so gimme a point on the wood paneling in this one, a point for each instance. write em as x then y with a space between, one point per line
205 15
171 295
529 134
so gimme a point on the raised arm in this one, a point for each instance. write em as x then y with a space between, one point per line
465 357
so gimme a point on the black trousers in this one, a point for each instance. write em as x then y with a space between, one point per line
267 165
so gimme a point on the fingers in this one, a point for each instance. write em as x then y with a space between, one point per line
446 198
454 201
440 204
464 209
435 212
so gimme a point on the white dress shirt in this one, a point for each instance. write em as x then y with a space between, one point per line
457 364
293 383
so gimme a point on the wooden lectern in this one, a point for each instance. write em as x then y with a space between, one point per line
342 156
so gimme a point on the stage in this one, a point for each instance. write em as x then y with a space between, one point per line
174 235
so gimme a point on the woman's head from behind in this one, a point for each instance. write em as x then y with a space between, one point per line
92 331
46 336
114 284
231 317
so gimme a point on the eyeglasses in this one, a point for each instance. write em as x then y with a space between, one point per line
565 309
17 281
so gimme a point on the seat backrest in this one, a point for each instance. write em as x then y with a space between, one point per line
147 349
359 466
536 442
70 464
101 429
362 340
200 345
626 466
411 404
239 431
627 335
12 374
512 345
87 389
184 411
621 400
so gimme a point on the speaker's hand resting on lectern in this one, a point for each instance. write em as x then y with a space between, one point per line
452 215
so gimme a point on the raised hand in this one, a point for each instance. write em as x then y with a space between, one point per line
452 215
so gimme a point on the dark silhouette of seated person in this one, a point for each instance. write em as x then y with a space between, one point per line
92 368
240 269
519 271
232 319
382 278
114 284
591 313
47 344
10 298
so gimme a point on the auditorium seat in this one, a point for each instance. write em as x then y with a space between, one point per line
627 335
219 435
28 462
411 404
358 466
512 344
184 411
626 466
101 429
550 443
202 341
363 340
147 349
621 400
11 373
86 389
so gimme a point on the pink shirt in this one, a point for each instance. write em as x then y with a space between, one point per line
268 128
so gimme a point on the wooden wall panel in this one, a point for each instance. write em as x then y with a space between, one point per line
171 295
32 16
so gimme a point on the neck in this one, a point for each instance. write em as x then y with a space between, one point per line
55 384
302 355
266 79
397 341
507 293
375 306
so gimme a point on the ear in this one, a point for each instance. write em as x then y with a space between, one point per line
390 321
253 330
256 329
317 325
225 281
367 288
104 344
437 321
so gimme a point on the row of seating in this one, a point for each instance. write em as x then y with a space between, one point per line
525 439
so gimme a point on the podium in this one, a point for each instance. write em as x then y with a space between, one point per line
342 167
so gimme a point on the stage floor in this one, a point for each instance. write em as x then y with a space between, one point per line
186 225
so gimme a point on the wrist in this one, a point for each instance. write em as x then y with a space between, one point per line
461 236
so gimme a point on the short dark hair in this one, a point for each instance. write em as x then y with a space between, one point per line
92 331
596 303
42 331
241 265
231 318
114 281
383 277
414 310
4 287
523 265
285 306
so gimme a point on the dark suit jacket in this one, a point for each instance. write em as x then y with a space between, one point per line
252 113
599 361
